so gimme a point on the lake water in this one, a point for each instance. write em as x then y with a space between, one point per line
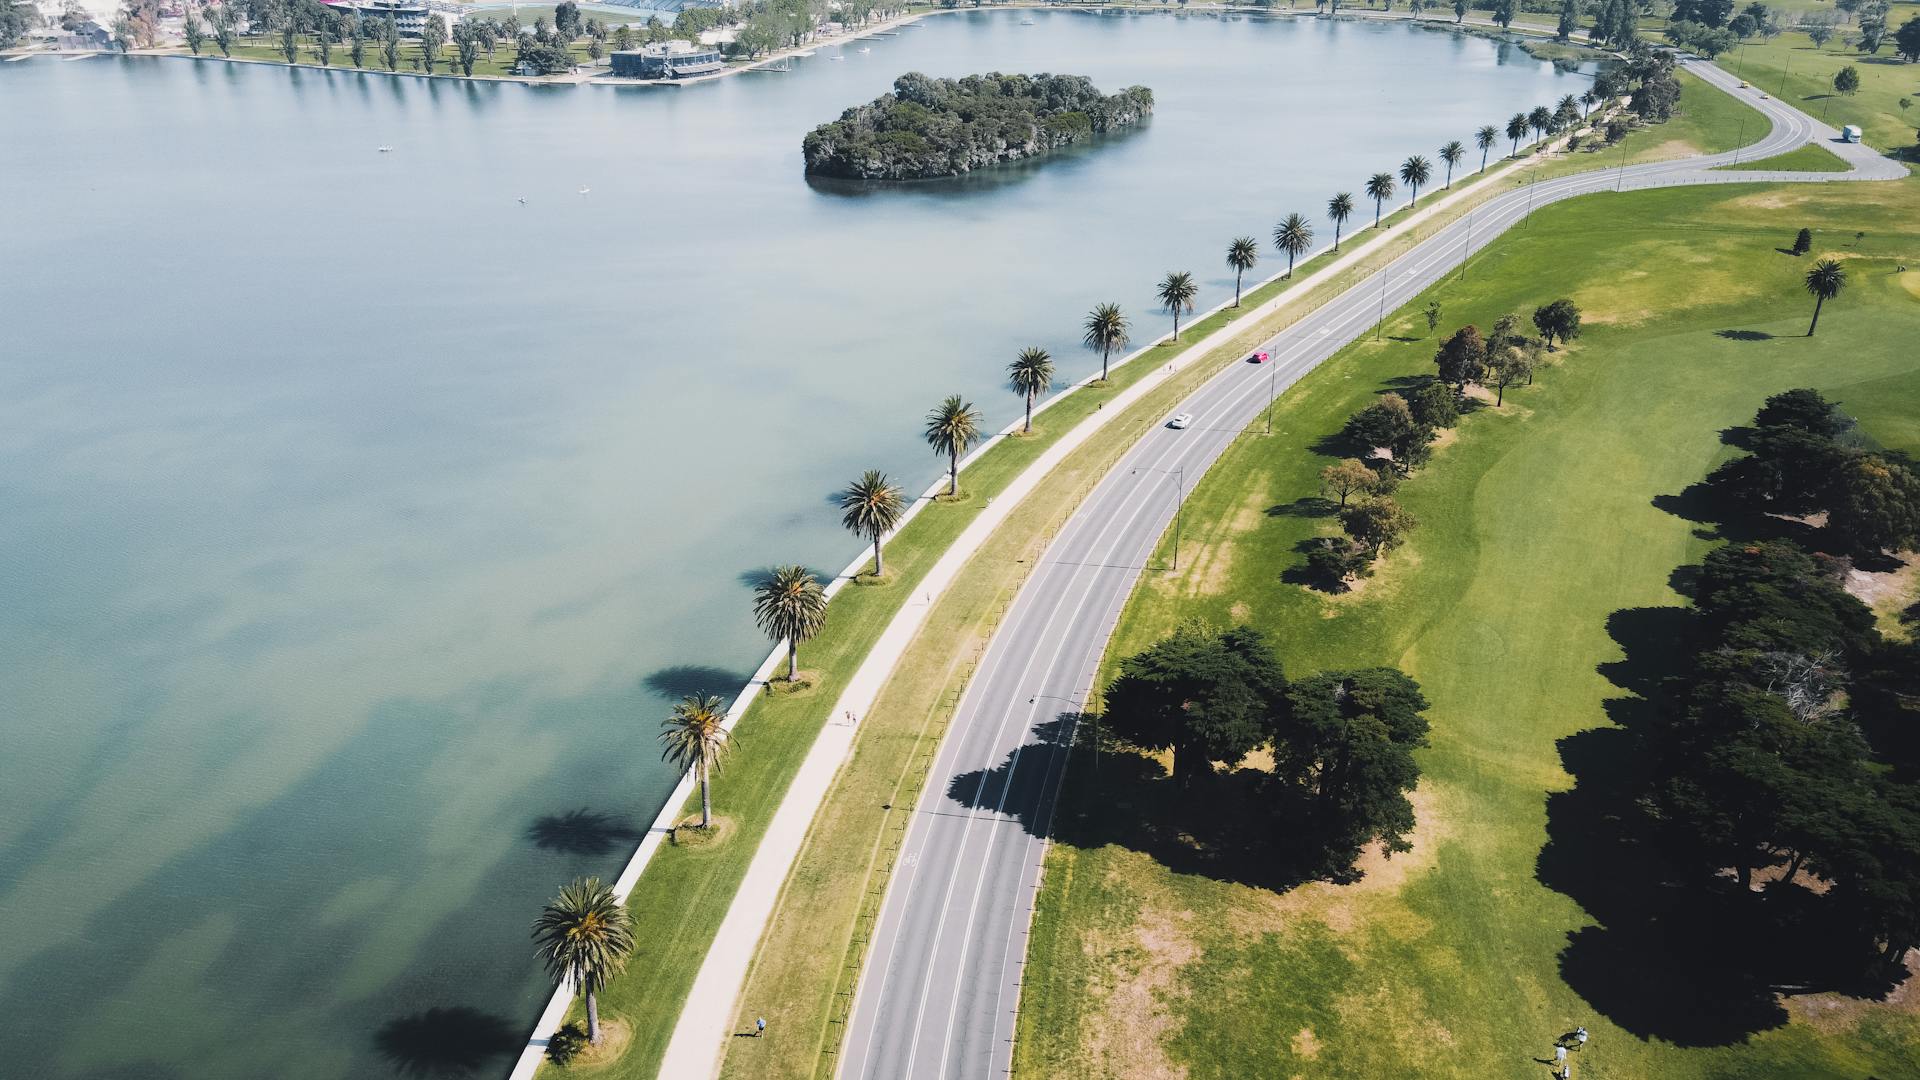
361 519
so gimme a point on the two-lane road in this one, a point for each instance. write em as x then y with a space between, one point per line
941 985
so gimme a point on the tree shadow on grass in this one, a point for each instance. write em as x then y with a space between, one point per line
1678 954
582 832
446 1041
1220 827
1310 506
1743 335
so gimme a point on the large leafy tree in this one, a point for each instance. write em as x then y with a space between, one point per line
1348 477
1106 330
1462 357
1339 208
1559 319
1242 254
1204 695
1379 189
1875 506
870 508
1343 750
1294 236
1030 374
584 937
1379 523
952 427
790 606
1824 281
694 736
1176 292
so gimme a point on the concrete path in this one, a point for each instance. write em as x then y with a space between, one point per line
941 989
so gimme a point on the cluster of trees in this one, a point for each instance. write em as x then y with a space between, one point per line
1394 435
1803 460
930 127
1342 741
1783 755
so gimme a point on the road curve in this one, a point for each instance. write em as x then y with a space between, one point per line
941 985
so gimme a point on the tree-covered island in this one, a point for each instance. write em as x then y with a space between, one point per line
931 127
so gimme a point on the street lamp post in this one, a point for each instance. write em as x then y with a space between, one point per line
1179 474
1382 318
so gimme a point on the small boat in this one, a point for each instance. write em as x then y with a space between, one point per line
522 200
386 149
836 58
864 49
583 190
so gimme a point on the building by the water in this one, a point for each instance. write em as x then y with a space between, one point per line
667 60
409 16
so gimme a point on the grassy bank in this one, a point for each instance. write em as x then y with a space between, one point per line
1536 523
1809 158
1707 121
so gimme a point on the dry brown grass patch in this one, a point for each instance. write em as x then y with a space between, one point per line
1838 1013
1134 1016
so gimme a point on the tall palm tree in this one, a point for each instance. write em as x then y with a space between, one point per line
953 426
1484 139
694 737
1380 189
1451 154
1293 236
1824 281
1516 129
1241 255
870 508
1415 171
1539 120
1106 331
1176 294
1568 104
790 606
1339 208
1030 373
584 937
1588 99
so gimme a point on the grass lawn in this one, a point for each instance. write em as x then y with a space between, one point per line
1536 523
1809 158
1790 68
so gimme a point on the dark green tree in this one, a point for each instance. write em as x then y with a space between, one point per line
1462 357
1379 523
1205 696
1803 242
1343 751
1559 319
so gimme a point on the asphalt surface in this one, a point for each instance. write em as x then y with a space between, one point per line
942 979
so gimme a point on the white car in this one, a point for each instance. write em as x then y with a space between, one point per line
1180 420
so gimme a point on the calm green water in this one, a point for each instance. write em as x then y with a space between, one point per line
361 518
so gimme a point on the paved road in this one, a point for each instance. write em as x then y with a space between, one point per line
941 987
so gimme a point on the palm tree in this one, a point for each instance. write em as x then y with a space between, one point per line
1484 139
1380 189
1569 105
1106 331
1030 373
790 606
1241 255
694 737
1293 236
1176 294
1824 281
1588 99
584 936
1339 208
1415 171
1516 128
1451 154
1539 120
871 508
952 427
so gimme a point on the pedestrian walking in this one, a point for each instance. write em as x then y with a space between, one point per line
760 1028
1559 1053
1580 1038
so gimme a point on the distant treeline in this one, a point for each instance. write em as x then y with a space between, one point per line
931 127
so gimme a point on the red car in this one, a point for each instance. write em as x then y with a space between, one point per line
1257 358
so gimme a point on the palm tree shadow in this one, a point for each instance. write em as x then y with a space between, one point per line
446 1041
760 575
679 680
582 832
1743 335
